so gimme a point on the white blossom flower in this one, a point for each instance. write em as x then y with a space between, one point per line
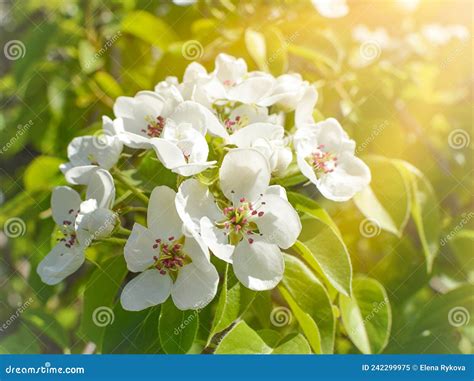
325 155
255 220
267 138
169 262
229 81
89 153
80 223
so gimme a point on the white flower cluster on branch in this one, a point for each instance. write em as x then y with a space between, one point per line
250 128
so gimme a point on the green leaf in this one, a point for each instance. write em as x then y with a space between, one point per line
22 341
108 84
386 201
99 297
43 174
306 205
132 332
149 28
177 329
461 245
424 211
310 303
277 52
454 309
89 58
47 325
256 47
367 315
321 247
234 300
306 322
242 339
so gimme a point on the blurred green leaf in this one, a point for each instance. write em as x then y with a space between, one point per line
99 297
43 174
149 28
242 339
367 315
321 247
310 303
47 325
386 201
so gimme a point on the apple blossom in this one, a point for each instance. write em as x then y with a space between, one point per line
253 222
80 223
89 153
169 262
325 155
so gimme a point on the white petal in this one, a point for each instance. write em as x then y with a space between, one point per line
194 201
199 117
280 223
305 107
216 240
197 251
194 287
245 137
350 176
192 168
168 153
135 141
258 266
251 90
138 250
244 173
65 203
162 218
229 69
146 290
277 190
333 137
94 224
306 169
60 263
101 187
80 175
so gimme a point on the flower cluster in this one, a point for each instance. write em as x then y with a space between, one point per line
249 129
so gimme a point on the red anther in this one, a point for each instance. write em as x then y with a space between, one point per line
254 212
157 240
162 272
171 238
250 240
260 214
155 258
242 199
155 246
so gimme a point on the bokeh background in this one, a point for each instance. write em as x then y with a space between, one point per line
396 74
